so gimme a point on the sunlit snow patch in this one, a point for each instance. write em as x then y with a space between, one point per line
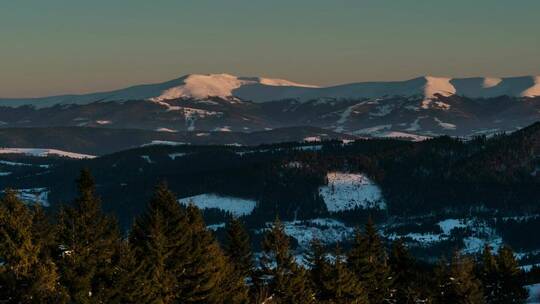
236 206
43 152
164 143
347 191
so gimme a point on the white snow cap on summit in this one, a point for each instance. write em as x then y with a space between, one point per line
218 85
257 89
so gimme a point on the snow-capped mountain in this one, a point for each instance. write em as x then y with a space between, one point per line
423 106
257 89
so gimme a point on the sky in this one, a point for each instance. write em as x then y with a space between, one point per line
65 46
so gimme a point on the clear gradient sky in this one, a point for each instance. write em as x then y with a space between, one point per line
66 46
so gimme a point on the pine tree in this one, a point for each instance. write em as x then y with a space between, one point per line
510 285
458 283
287 281
402 265
88 240
27 273
368 260
238 248
340 285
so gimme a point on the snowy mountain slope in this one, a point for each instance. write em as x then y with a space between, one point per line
256 89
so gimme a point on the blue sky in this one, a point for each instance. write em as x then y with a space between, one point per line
54 46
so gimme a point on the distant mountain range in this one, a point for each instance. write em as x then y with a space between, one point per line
416 108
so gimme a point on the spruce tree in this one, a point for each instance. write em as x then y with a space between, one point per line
316 260
210 277
177 259
510 284
238 248
157 239
27 273
88 239
368 260
489 275
457 283
287 281
404 283
340 285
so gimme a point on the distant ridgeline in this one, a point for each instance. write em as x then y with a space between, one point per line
415 108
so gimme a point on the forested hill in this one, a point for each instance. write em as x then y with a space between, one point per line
411 188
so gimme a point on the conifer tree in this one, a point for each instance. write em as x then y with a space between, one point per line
340 285
88 239
402 265
177 259
368 260
210 277
319 266
510 286
488 274
287 281
457 282
238 248
27 273
157 238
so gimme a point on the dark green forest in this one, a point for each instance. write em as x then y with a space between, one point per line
78 254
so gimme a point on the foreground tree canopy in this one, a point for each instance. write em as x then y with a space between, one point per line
80 256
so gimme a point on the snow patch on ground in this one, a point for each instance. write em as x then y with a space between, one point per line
450 224
44 152
34 195
222 129
174 156
164 142
236 206
445 125
373 130
312 139
103 122
346 191
534 293
397 134
166 130
326 230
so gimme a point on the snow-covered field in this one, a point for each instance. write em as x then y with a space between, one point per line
44 152
326 230
34 195
479 234
347 191
236 206
534 294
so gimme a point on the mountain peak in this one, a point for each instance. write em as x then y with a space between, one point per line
200 86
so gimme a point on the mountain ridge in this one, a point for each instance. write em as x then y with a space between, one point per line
260 90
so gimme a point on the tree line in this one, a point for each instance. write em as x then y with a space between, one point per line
168 256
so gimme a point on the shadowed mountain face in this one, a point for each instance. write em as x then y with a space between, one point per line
424 106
